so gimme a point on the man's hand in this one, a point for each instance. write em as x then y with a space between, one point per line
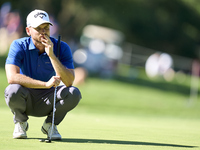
54 81
46 41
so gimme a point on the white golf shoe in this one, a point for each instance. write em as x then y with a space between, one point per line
46 129
20 130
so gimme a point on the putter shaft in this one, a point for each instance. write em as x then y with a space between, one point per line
54 103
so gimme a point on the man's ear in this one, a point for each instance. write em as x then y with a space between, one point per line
28 31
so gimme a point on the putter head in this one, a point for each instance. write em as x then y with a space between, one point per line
48 141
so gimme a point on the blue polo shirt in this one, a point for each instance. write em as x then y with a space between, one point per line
25 55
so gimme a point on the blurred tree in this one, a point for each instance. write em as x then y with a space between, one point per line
168 26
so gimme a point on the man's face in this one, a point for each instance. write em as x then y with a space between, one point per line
38 33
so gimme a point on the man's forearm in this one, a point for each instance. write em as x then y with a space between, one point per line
26 81
66 75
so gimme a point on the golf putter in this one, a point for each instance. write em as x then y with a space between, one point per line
55 91
54 100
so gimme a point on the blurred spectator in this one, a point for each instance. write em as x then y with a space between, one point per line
10 27
160 64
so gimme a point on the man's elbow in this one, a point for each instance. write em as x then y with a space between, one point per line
10 81
68 82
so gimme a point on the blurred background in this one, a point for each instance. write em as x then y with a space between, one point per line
123 40
136 65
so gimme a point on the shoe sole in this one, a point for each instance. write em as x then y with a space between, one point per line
19 137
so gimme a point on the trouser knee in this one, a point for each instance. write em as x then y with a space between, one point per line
75 94
68 99
70 95
12 94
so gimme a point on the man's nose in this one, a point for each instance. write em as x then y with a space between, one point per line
43 30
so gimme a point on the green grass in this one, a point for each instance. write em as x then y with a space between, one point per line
83 131
115 115
123 98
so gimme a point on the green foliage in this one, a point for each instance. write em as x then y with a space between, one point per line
168 26
161 25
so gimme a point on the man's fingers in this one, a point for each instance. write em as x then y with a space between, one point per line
46 37
57 80
56 84
46 43
57 77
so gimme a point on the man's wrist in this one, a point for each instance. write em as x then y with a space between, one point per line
53 56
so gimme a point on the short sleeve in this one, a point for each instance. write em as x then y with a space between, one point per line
66 56
15 55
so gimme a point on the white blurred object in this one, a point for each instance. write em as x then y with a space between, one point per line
113 51
80 56
97 46
160 64
107 34
152 66
165 62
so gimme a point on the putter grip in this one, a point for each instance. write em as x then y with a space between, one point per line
58 47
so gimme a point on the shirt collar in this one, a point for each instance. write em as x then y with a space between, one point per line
31 45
